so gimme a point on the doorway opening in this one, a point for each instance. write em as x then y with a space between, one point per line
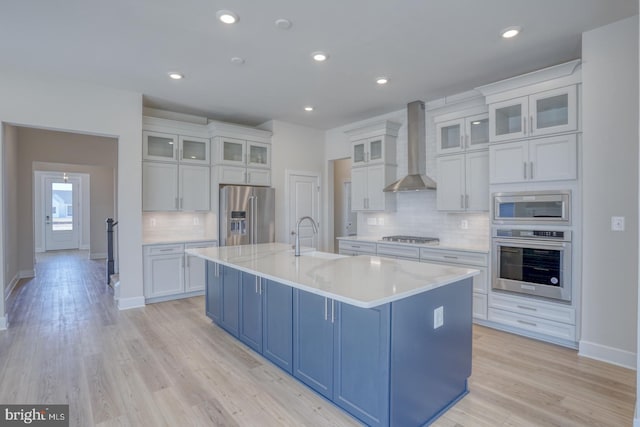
345 220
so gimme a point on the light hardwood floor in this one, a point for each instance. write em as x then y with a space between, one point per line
168 365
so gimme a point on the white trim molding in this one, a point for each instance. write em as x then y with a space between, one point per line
9 288
26 274
98 255
615 356
4 322
128 303
636 418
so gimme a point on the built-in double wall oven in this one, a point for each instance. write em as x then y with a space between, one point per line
529 257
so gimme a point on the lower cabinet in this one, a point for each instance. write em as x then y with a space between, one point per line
169 273
250 331
213 304
229 298
277 324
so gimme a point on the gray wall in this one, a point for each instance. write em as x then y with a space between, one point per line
10 202
341 173
610 188
70 152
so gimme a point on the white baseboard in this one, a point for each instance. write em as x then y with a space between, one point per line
615 356
84 247
11 286
27 274
39 250
97 255
4 322
127 303
636 418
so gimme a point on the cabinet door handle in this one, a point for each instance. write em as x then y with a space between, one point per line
530 170
355 247
450 257
166 250
524 125
466 201
462 201
181 154
461 141
531 124
326 316
188 258
260 285
177 206
181 202
524 171
524 307
468 141
256 284
527 323
333 310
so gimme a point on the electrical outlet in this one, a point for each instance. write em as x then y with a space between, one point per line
196 220
380 221
464 224
371 221
617 223
438 317
152 222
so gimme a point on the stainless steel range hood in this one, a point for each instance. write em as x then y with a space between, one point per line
416 180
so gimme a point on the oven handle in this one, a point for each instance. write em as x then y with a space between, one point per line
532 243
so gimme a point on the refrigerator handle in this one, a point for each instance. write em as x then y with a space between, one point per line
254 222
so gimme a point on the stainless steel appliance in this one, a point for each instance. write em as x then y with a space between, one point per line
533 262
532 207
412 239
247 215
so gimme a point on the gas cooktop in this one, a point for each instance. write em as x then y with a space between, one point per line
412 239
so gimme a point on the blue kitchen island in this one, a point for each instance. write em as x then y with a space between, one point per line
387 340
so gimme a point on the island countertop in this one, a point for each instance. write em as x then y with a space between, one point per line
362 281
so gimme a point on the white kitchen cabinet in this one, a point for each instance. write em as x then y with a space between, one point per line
355 247
467 133
544 159
367 184
173 187
537 114
389 250
468 259
377 150
169 273
242 175
159 146
463 182
194 150
239 152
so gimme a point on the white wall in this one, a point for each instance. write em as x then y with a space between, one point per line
296 148
610 188
58 104
10 205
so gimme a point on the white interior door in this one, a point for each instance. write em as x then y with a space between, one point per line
61 202
350 217
304 200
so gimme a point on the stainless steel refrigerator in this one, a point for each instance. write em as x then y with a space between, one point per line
247 215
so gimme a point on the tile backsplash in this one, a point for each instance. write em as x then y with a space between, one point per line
417 215
179 225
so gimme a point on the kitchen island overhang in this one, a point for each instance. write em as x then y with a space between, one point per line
387 340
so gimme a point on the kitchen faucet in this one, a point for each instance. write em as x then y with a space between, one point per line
315 230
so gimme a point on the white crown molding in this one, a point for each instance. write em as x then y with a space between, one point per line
230 130
382 127
157 124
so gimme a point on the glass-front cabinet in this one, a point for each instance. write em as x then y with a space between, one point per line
368 151
194 150
259 154
159 146
239 152
543 113
468 133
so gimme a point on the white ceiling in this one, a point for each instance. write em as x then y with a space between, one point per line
427 48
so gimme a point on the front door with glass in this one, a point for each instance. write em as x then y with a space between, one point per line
61 213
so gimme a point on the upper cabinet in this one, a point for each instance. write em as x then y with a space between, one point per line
194 150
373 163
539 114
238 152
159 146
467 133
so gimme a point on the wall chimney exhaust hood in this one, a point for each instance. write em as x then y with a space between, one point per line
416 180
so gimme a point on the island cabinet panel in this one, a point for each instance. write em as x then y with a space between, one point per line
229 314
277 324
250 327
313 341
213 291
361 374
430 367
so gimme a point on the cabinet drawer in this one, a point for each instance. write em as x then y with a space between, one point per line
200 244
163 249
454 257
533 308
398 251
533 324
479 306
362 247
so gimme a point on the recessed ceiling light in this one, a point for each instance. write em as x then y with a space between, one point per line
283 24
227 16
237 60
319 56
510 32
382 80
308 108
176 76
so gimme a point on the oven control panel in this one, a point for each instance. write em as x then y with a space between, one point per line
564 236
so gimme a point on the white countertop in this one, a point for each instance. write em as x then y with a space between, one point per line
443 246
363 281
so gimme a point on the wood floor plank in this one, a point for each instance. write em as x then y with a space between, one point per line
166 364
